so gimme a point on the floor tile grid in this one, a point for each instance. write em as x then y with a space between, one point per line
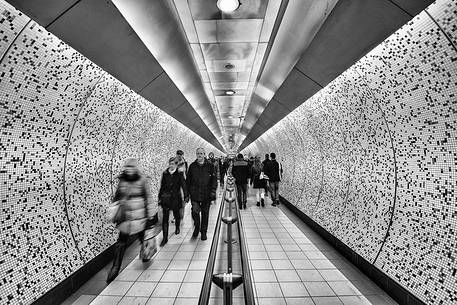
173 240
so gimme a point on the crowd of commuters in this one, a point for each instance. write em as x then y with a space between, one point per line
181 183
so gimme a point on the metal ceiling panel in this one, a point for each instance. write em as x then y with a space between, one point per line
413 7
228 30
96 29
354 28
44 12
296 89
229 50
168 43
239 65
300 24
207 9
269 20
198 55
217 77
230 85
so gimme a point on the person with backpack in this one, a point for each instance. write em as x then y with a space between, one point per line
272 170
134 207
240 172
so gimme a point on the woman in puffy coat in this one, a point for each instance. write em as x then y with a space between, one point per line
170 196
135 207
258 184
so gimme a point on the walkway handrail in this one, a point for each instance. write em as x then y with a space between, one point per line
249 298
207 282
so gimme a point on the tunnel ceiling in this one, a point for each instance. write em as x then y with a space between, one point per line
183 56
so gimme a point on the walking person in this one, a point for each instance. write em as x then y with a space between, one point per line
202 185
258 183
264 163
182 168
215 164
133 196
241 173
272 170
172 186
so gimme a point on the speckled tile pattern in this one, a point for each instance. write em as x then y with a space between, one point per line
66 125
379 151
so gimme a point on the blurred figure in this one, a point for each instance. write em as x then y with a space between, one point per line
273 171
215 164
135 207
170 198
258 184
182 168
240 172
223 166
202 185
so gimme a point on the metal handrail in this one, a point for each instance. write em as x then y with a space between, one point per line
207 282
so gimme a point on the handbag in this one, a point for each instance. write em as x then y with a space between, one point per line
115 212
263 176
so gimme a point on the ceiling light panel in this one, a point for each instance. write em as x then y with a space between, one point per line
228 30
230 85
236 65
229 50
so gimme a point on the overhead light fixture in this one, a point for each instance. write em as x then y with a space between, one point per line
229 66
229 92
228 6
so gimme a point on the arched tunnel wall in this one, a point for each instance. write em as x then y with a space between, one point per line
66 126
372 158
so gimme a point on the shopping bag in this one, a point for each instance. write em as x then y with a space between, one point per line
148 248
115 212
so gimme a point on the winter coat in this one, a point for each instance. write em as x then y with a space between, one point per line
134 196
241 171
170 190
255 178
201 181
271 169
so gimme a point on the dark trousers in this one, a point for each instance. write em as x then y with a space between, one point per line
203 207
166 217
119 250
241 190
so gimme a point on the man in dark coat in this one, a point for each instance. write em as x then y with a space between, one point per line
241 173
170 197
272 170
202 185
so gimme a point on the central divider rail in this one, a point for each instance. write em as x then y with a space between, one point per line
228 280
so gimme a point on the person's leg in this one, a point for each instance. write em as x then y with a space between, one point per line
239 196
205 214
196 217
277 192
272 195
119 250
177 215
166 215
262 197
257 196
244 188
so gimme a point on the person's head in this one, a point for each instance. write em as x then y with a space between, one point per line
211 155
267 157
130 167
273 156
179 153
200 155
172 164
257 161
240 157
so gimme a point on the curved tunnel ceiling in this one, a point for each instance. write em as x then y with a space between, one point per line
301 56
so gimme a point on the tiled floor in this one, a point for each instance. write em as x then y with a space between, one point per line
173 276
292 265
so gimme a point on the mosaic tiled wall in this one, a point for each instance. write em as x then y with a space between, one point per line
66 125
376 156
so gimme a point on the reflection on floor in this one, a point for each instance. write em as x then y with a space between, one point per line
290 265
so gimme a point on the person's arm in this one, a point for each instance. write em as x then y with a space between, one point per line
213 183
189 178
184 188
148 198
162 187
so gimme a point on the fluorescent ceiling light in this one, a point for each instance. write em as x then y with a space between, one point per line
228 6
230 92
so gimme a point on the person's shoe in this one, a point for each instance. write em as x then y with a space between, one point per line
277 202
273 204
262 202
173 220
195 234
204 237
112 275
244 206
164 242
258 204
177 231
